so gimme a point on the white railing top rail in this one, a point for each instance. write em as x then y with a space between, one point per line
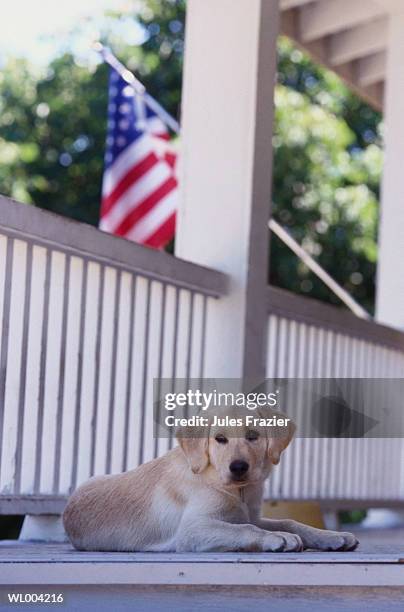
66 235
304 309
315 267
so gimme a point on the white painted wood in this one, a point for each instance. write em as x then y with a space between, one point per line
3 252
348 472
108 319
324 18
152 367
294 349
65 234
333 469
89 366
289 457
330 457
197 337
29 466
377 546
121 373
70 373
394 7
137 373
58 565
390 283
167 357
58 262
306 462
314 461
360 445
182 339
226 169
289 4
372 69
8 450
358 42
3 290
46 528
338 373
271 372
29 439
271 337
300 372
364 476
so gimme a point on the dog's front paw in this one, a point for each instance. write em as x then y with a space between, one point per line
294 542
338 540
350 541
273 542
282 542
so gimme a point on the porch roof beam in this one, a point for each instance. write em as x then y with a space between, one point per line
372 69
325 18
392 6
358 42
289 4
319 51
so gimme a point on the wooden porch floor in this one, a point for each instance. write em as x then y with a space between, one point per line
372 576
379 561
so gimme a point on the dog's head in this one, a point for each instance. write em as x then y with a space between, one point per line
234 455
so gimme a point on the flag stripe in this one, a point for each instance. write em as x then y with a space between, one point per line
171 159
133 154
135 173
138 192
145 206
164 234
150 224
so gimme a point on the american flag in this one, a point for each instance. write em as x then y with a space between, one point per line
140 188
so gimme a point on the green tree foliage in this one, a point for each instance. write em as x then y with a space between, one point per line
52 133
327 168
327 147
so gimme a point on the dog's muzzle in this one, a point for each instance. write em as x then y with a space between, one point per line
238 469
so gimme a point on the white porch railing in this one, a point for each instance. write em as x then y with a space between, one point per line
88 320
308 339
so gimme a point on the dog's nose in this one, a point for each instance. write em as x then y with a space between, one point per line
238 468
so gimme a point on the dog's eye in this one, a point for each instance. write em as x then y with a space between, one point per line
221 439
252 435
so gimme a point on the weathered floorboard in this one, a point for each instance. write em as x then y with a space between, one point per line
373 564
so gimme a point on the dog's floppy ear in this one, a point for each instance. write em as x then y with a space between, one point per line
278 440
278 437
194 448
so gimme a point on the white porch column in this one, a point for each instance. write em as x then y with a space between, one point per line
230 67
390 277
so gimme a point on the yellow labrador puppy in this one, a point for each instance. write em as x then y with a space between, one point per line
204 495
